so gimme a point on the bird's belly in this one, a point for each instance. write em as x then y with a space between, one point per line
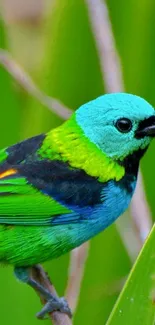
27 246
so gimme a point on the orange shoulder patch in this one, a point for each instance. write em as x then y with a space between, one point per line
8 172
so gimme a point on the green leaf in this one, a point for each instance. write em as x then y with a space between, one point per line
136 304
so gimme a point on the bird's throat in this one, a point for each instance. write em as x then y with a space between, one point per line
131 162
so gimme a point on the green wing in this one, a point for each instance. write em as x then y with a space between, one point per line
29 183
21 203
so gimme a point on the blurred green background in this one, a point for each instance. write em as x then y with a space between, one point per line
54 43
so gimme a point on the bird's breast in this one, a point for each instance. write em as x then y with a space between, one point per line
115 199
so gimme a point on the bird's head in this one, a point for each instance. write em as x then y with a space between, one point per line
118 124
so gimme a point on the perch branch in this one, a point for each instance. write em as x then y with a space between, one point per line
113 79
40 276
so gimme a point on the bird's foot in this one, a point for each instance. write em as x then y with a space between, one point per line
55 304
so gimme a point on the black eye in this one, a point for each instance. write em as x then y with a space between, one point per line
123 125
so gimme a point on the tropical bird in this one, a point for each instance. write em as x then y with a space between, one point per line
59 189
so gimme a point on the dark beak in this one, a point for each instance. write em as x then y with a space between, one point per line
146 128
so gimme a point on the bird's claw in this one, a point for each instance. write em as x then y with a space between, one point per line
55 304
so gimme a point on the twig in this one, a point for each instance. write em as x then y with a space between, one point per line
76 270
113 79
108 56
140 210
27 83
40 276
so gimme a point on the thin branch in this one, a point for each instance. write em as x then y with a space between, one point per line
25 81
113 79
40 276
108 56
76 270
140 210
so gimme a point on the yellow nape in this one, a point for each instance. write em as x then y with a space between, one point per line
69 143
8 172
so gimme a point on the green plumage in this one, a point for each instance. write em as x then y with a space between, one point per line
22 243
25 204
58 190
27 235
25 213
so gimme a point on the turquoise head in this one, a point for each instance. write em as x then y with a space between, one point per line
118 124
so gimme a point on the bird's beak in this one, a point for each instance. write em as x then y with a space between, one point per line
148 131
146 128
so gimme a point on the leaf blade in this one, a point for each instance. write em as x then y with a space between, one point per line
136 303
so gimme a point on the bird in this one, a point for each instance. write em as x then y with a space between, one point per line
63 187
